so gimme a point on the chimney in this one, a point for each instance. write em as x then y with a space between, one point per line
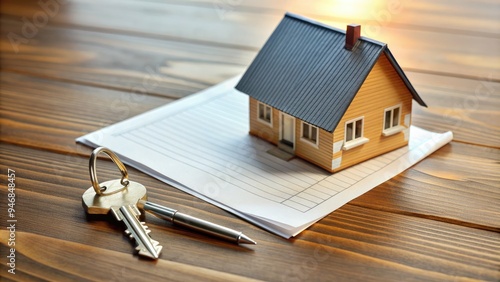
352 34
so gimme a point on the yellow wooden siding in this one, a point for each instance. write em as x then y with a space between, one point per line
320 155
261 129
383 88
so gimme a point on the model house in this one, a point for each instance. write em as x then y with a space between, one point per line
328 96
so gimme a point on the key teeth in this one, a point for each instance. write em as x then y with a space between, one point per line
144 252
129 234
146 228
139 232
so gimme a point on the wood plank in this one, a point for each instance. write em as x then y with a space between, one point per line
38 131
445 16
366 243
136 65
423 49
436 221
468 108
59 264
458 183
33 112
52 125
176 69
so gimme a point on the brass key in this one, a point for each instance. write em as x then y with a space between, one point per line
120 196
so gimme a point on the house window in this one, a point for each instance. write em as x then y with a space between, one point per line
354 134
310 133
391 117
265 113
392 120
353 130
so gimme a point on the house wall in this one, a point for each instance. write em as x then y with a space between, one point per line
260 129
382 89
320 155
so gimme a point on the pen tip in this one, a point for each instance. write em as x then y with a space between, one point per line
244 239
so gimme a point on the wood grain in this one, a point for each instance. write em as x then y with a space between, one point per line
58 265
436 188
469 108
136 65
94 63
443 16
414 48
462 95
370 242
34 114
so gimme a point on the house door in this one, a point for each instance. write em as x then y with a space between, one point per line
287 133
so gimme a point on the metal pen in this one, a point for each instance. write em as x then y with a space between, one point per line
195 223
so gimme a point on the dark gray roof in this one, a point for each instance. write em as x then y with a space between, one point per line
305 71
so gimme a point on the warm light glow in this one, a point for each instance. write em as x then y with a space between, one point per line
353 10
373 15
349 9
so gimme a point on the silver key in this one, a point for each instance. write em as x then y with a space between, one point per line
122 200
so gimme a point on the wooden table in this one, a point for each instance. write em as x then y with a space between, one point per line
72 67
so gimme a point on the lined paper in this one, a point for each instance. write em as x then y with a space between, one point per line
200 144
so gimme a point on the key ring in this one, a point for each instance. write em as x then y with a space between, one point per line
93 173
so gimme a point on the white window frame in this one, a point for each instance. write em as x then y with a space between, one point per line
354 142
309 140
393 128
266 108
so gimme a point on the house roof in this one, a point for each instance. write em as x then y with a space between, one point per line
305 71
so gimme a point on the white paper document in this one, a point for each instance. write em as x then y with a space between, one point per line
200 144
